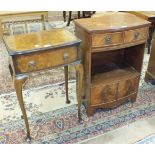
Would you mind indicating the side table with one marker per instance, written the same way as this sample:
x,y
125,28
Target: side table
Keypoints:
x,y
5,15
150,73
149,16
42,51
80,14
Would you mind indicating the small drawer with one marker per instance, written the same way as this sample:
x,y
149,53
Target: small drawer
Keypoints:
x,y
136,35
44,59
108,39
103,94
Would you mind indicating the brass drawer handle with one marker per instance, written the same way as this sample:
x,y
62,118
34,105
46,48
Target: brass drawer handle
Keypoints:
x,y
66,56
108,40
32,65
136,35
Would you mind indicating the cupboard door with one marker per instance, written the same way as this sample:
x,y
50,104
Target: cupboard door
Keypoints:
x,y
103,94
127,87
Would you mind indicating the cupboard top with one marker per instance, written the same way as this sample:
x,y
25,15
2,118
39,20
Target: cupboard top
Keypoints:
x,y
112,21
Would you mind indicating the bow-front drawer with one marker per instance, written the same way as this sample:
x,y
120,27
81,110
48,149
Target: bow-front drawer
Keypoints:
x,y
136,35
44,59
107,39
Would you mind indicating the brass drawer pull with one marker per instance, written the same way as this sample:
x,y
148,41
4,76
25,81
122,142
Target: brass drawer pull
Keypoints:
x,y
32,65
66,56
108,40
136,35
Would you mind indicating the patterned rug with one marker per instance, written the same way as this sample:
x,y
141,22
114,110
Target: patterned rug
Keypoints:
x,y
61,125
53,121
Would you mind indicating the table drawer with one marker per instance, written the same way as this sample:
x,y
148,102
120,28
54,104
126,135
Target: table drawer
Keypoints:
x,y
44,59
107,39
136,35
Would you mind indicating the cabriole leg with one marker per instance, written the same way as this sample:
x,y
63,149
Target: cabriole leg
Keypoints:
x,y
18,84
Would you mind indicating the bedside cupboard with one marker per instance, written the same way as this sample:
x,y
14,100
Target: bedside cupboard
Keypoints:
x,y
112,54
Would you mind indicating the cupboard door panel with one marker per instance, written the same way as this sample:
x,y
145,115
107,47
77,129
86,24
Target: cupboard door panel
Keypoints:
x,y
127,87
103,94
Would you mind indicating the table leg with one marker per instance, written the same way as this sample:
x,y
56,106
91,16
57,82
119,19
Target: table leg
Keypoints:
x,y
18,83
66,84
11,71
78,12
44,20
64,16
45,17
83,14
79,85
69,18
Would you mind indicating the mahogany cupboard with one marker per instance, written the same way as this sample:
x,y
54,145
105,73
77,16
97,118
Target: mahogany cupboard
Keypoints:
x,y
112,52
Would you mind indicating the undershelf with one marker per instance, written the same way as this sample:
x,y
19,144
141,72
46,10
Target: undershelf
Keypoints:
x,y
111,73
